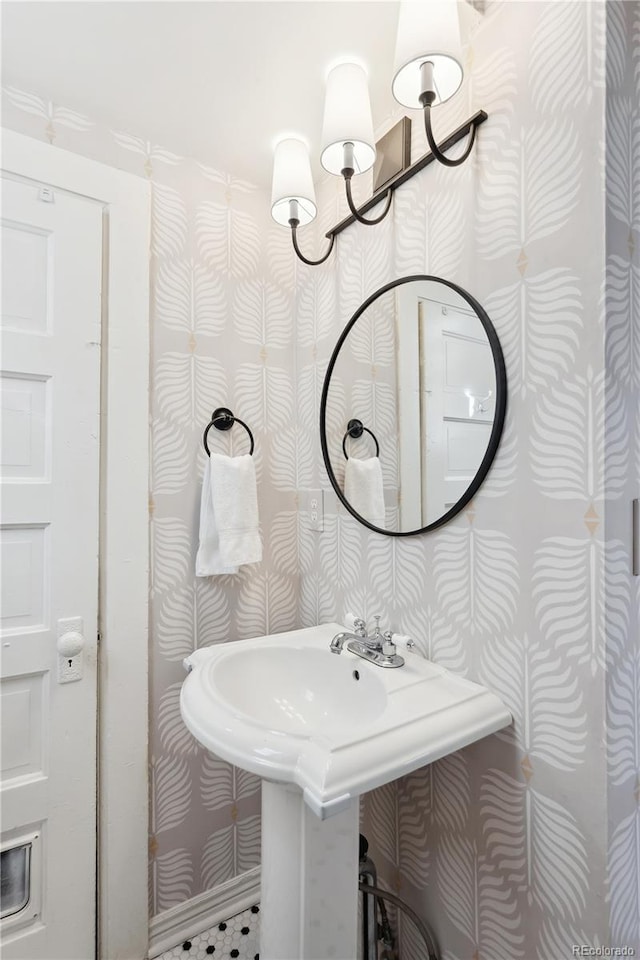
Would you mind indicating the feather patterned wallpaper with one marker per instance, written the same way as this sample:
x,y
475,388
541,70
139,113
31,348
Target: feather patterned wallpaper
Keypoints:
x,y
526,843
502,846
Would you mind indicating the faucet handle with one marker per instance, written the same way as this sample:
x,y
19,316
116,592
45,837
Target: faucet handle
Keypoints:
x,y
359,627
357,624
388,646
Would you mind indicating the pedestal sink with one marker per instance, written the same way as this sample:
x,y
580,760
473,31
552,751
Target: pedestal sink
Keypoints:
x,y
320,730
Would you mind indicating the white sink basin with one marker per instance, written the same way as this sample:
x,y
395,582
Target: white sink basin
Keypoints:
x,y
284,707
298,691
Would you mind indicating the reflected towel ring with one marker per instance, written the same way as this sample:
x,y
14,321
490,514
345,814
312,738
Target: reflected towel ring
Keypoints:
x,y
355,429
223,419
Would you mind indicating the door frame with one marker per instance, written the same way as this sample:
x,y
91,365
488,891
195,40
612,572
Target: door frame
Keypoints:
x,y
123,792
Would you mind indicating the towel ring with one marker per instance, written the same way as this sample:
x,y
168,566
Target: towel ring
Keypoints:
x,y
223,419
355,429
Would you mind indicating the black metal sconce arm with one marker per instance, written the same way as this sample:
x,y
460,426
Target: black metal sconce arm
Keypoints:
x,y
347,174
294,224
435,149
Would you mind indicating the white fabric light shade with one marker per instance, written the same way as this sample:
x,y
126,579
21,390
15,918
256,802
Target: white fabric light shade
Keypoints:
x,y
347,119
427,30
292,180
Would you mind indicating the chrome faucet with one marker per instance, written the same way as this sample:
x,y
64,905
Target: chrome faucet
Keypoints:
x,y
339,641
375,636
378,648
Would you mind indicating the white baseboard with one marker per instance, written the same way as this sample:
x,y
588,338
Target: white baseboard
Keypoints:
x,y
174,926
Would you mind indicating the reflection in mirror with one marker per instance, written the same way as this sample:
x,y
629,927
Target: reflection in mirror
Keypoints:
x,y
413,405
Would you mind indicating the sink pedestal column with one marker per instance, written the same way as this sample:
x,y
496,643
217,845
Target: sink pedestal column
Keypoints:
x,y
310,867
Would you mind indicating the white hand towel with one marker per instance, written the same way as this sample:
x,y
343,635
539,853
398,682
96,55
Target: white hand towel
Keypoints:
x,y
235,503
229,535
208,559
363,489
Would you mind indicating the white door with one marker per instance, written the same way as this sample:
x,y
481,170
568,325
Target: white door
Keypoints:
x,y
458,392
50,378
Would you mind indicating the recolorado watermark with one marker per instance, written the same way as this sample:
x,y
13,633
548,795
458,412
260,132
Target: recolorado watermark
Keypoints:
x,y
584,950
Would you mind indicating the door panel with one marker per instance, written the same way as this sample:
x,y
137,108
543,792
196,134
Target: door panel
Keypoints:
x,y
24,408
49,469
457,410
26,257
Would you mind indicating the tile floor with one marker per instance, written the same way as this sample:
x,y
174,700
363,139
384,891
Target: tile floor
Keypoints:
x,y
235,939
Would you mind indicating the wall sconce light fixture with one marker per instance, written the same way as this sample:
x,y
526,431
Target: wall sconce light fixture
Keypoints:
x,y
427,72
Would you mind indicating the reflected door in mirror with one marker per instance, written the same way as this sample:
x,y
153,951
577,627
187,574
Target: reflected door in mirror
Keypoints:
x,y
445,357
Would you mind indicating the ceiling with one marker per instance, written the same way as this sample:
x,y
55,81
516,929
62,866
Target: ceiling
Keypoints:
x,y
217,80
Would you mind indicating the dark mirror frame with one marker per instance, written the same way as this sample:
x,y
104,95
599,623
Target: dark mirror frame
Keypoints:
x,y
498,422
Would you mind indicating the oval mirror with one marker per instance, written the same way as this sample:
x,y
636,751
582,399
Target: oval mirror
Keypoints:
x,y
413,405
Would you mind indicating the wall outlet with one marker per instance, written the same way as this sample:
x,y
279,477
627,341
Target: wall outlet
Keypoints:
x,y
314,509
